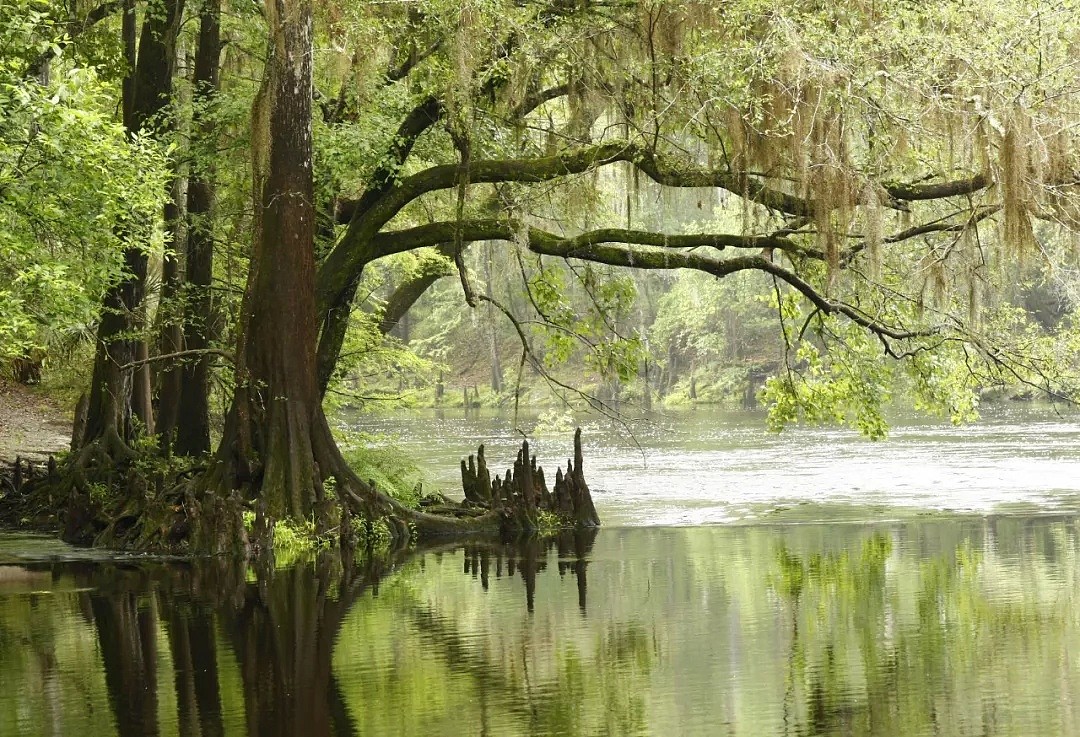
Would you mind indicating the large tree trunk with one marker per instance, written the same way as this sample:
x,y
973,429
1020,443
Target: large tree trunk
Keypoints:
x,y
193,417
277,411
277,446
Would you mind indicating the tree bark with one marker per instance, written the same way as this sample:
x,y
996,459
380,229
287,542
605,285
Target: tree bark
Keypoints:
x,y
193,419
169,316
146,93
277,412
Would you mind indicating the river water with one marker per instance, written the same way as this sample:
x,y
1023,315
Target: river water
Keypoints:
x,y
716,467
927,585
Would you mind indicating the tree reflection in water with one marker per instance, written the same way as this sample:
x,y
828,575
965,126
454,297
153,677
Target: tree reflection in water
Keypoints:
x,y
281,625
955,627
529,556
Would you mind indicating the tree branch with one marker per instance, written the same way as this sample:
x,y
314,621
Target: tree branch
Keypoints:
x,y
74,28
939,226
426,114
407,293
664,169
402,70
399,241
180,354
604,247
538,98
938,190
594,403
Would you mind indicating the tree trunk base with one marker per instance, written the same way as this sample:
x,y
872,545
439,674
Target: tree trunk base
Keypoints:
x,y
108,495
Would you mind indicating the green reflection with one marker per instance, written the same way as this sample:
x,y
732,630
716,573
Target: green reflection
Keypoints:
x,y
960,627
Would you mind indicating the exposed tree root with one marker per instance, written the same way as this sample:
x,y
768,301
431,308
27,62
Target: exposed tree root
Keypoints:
x,y
108,495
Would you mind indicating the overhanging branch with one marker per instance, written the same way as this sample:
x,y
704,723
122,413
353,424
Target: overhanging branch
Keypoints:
x,y
399,241
945,225
665,169
645,250
938,190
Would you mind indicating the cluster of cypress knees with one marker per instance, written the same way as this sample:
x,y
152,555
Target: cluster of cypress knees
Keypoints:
x,y
521,496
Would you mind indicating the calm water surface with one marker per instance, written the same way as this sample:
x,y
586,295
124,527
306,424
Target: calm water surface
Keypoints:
x,y
889,622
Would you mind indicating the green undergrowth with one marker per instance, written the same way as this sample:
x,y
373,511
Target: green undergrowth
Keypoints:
x,y
725,387
382,464
297,541
66,374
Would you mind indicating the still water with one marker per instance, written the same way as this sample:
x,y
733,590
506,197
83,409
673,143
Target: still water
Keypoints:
x,y
895,624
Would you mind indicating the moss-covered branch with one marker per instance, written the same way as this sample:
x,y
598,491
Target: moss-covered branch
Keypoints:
x,y
937,190
646,250
369,215
399,241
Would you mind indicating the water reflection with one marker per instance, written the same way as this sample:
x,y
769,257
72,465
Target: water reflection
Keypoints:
x,y
529,556
963,627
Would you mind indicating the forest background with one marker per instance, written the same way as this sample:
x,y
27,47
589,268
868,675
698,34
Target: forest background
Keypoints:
x,y
214,216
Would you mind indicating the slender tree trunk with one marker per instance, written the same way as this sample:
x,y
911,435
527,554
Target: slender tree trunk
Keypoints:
x,y
109,408
142,400
193,418
129,37
493,342
646,387
109,402
117,394
153,94
170,322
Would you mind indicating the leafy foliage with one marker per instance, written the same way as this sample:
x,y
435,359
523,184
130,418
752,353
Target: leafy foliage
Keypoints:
x,y
74,190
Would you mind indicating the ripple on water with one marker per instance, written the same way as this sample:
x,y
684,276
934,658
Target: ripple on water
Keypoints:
x,y
715,467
